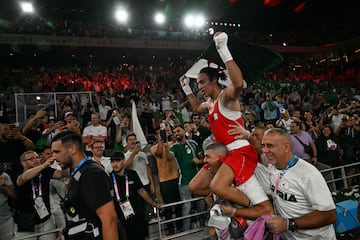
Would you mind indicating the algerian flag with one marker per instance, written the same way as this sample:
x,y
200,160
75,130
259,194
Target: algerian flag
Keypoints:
x,y
140,136
252,59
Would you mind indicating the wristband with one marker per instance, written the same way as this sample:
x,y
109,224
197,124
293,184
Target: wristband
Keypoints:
x,y
184,82
187,90
225,54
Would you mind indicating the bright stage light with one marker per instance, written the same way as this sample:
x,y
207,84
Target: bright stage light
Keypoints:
x,y
27,7
194,21
159,18
199,21
189,21
121,15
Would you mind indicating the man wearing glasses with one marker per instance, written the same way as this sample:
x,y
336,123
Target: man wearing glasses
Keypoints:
x,y
32,205
97,150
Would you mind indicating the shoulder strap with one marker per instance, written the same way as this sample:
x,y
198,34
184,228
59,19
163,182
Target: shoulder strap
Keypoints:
x,y
300,141
89,164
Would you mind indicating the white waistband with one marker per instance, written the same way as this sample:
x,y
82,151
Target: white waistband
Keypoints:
x,y
237,144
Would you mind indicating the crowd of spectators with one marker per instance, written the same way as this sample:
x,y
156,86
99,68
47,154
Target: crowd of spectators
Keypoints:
x,y
322,101
146,78
298,90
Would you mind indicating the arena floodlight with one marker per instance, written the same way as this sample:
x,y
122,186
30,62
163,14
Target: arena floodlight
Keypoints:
x,y
195,21
199,21
27,7
159,18
189,21
121,15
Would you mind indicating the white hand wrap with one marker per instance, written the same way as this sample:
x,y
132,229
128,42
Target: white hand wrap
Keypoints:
x,y
184,82
222,48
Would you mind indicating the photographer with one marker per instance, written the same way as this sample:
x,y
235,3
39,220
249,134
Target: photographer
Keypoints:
x,y
270,108
86,111
168,173
136,159
113,123
348,134
33,126
12,144
353,108
328,148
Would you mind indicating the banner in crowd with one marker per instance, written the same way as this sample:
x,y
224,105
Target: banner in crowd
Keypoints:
x,y
140,136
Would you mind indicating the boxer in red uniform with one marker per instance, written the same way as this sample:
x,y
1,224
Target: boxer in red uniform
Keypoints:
x,y
224,107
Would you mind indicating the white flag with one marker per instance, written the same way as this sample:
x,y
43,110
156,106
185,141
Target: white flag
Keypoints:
x,y
140,136
202,63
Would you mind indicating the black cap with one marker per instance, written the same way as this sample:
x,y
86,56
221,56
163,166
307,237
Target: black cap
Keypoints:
x,y
117,156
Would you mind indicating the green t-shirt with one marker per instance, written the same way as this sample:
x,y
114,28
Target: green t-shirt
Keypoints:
x,y
184,154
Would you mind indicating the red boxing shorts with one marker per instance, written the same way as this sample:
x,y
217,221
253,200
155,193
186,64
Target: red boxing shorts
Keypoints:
x,y
242,161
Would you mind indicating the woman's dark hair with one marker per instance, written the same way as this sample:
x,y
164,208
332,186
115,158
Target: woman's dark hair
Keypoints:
x,y
213,73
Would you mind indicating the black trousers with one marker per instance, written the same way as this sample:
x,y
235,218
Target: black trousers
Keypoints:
x,y
170,193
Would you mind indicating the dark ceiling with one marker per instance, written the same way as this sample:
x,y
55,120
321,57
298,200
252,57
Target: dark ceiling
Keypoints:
x,y
253,15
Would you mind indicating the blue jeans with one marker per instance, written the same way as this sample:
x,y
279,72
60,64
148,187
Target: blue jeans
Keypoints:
x,y
185,194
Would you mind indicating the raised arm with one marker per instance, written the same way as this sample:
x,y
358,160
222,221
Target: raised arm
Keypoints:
x,y
233,91
33,172
196,105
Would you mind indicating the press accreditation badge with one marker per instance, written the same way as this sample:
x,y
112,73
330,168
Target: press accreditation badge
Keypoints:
x,y
127,209
41,208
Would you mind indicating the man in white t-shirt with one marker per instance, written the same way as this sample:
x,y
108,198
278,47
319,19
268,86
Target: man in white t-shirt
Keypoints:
x,y
285,120
136,160
303,203
103,108
94,132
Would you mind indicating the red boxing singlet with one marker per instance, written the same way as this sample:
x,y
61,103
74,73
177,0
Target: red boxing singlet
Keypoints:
x,y
242,156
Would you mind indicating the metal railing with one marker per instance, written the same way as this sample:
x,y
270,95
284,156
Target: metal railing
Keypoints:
x,y
334,181
56,230
161,222
327,172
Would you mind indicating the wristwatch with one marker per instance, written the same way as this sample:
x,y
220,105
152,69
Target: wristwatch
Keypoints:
x,y
292,225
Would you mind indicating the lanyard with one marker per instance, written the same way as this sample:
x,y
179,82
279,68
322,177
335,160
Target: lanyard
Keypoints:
x,y
35,189
116,186
292,161
79,165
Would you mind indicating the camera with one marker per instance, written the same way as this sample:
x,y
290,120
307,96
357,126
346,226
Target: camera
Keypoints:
x,y
330,143
163,135
138,144
14,125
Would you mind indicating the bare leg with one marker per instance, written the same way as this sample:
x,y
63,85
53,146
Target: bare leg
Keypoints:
x,y
200,183
221,185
